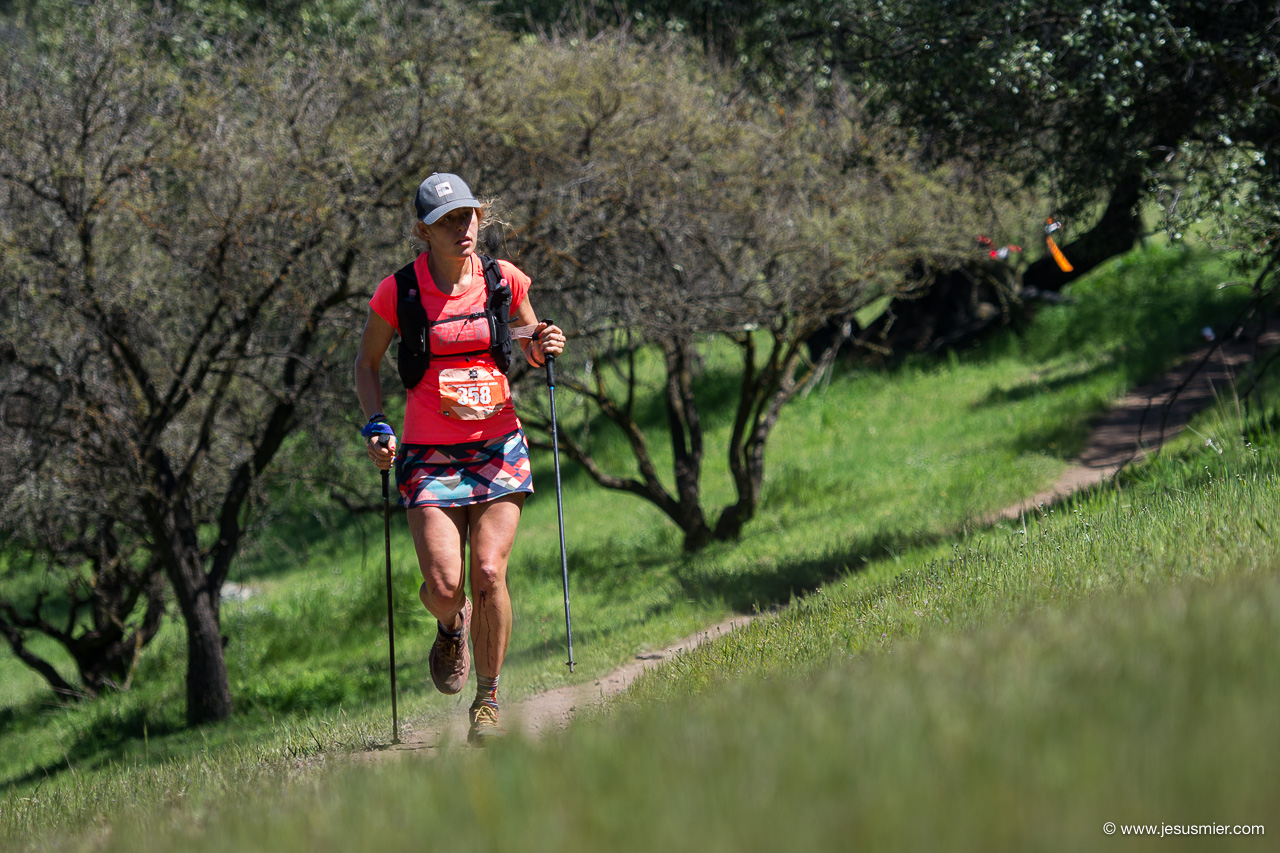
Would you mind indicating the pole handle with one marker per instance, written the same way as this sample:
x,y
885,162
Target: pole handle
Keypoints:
x,y
549,360
384,441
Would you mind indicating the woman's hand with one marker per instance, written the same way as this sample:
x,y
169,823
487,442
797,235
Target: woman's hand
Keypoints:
x,y
379,441
549,339
382,450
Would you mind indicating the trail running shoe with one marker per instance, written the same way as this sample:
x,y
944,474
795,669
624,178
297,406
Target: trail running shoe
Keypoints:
x,y
450,660
484,724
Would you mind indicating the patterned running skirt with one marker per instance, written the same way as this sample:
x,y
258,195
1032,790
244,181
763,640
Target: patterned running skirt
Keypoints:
x,y
462,474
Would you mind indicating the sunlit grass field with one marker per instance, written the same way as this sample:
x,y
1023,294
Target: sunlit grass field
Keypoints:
x,y
930,679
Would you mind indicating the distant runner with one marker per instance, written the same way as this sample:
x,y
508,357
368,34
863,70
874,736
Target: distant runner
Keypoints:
x,y
463,467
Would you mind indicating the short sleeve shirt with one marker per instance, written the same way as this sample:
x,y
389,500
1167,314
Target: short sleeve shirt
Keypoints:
x,y
429,417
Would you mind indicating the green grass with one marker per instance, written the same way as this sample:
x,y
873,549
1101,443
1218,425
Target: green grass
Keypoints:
x,y
1144,308
1113,663
872,484
1191,515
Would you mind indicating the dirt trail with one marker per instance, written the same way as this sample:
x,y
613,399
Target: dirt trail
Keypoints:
x,y
1136,426
553,709
1147,417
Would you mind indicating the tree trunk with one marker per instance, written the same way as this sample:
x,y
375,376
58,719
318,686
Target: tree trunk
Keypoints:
x,y
761,397
959,306
208,688
732,518
697,535
954,309
106,651
685,427
1116,232
747,464
173,531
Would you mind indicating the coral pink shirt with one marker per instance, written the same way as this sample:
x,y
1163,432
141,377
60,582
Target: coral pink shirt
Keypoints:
x,y
432,413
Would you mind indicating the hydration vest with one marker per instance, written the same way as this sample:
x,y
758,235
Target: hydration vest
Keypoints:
x,y
413,354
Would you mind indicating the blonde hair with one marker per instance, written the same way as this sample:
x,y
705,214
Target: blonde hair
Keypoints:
x,y
484,213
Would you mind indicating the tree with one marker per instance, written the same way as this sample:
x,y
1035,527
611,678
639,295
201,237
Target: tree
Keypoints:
x,y
1101,101
70,161
679,219
1102,107
186,228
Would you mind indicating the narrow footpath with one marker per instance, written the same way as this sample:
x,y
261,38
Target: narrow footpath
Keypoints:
x,y
1141,422
1138,425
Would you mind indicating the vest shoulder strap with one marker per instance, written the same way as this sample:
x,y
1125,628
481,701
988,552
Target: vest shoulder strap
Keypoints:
x,y
498,307
413,353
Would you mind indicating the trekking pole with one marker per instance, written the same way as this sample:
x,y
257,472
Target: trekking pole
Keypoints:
x,y
555,451
391,625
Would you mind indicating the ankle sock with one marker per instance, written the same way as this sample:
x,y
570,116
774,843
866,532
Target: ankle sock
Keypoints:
x,y
487,690
449,632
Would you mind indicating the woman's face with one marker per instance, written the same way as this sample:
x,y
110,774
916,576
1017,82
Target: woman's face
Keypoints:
x,y
454,234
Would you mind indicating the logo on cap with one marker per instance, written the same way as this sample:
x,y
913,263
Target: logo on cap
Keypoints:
x,y
444,189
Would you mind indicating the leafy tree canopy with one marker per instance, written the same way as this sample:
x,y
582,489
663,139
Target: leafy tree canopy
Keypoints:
x,y
1091,100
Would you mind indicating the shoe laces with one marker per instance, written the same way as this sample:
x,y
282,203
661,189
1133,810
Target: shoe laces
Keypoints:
x,y
485,716
451,646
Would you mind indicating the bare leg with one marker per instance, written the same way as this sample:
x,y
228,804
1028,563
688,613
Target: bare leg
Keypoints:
x,y
493,532
440,539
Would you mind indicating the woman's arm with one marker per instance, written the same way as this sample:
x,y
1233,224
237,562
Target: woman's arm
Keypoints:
x,y
374,341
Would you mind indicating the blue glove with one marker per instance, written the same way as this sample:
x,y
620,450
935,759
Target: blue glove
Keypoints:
x,y
377,425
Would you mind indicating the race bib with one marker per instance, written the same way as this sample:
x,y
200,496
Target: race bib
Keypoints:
x,y
471,393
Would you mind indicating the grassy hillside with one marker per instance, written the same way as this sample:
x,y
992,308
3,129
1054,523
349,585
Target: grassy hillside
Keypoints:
x,y
873,483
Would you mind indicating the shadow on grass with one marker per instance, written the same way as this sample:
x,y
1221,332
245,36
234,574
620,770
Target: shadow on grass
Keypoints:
x,y
289,535
1037,387
102,744
553,645
606,567
1063,439
771,586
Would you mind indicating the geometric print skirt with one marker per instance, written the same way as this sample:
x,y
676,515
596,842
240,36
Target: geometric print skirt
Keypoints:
x,y
463,474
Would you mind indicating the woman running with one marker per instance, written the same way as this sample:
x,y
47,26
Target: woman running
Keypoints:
x,y
463,466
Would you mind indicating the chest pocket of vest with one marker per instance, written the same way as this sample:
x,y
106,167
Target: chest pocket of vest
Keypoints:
x,y
465,334
413,353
